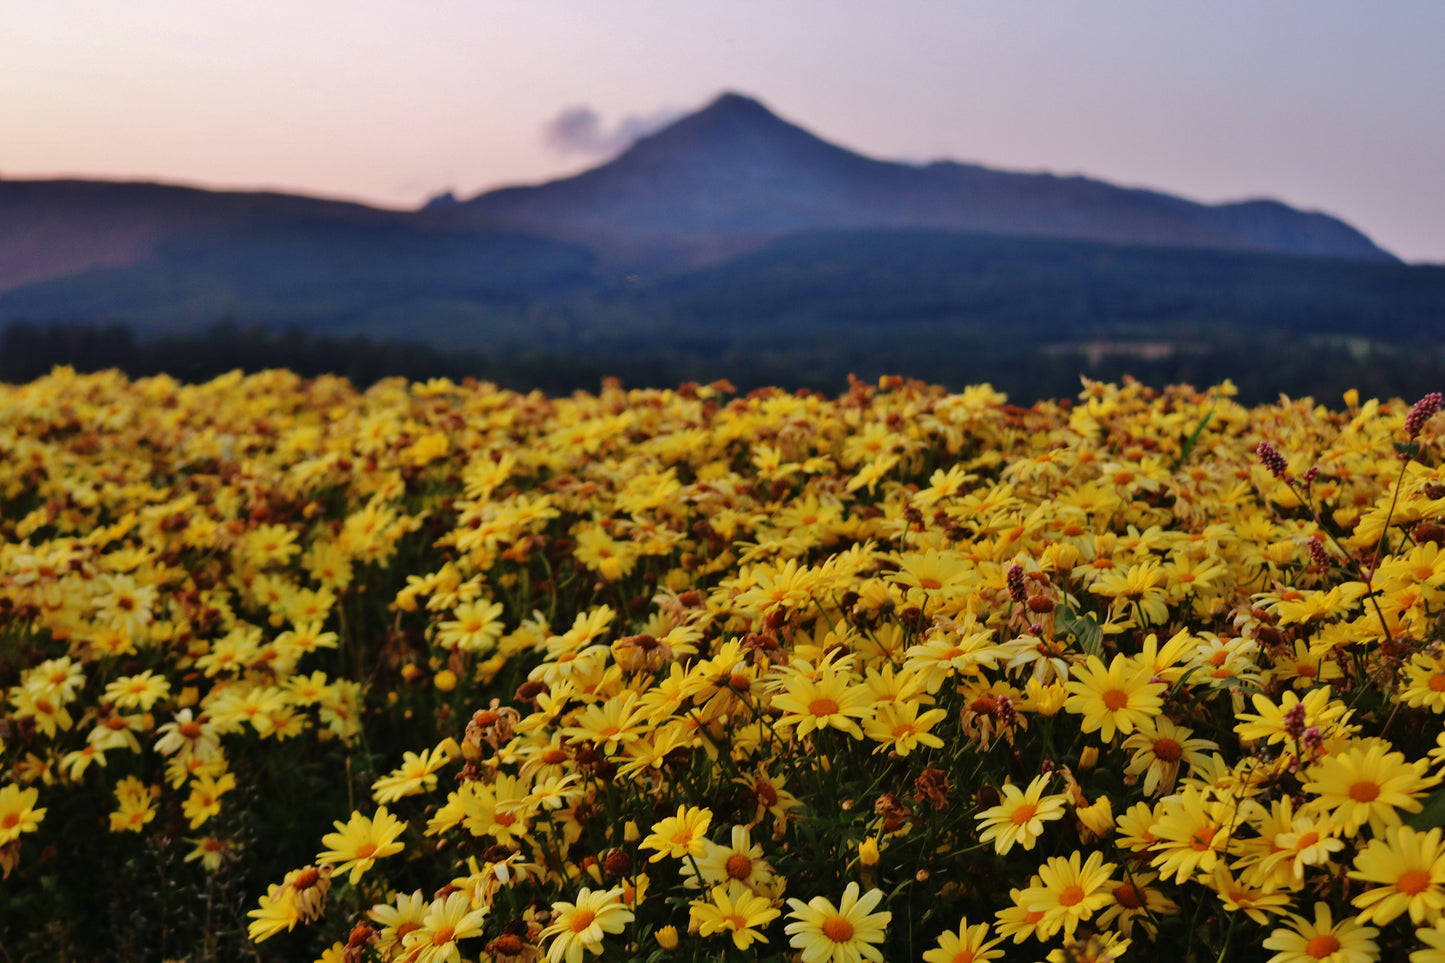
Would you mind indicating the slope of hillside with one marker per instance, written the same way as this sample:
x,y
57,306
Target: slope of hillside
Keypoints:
x,y
735,169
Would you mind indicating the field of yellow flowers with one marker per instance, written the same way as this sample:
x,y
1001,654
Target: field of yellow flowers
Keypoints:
x,y
437,672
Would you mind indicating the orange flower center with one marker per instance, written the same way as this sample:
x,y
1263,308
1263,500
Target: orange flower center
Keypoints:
x,y
191,730
1071,896
1322,946
1023,814
1167,750
1128,897
928,582
1415,881
365,850
553,757
1116,699
443,936
951,653
504,819
837,929
1364,791
822,706
1201,839
1307,840
1437,682
581,920
10,821
739,866
962,956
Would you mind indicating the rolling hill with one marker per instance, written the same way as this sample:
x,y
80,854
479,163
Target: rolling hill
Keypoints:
x,y
734,243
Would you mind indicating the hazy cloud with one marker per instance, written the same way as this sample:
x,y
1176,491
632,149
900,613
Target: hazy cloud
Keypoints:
x,y
580,130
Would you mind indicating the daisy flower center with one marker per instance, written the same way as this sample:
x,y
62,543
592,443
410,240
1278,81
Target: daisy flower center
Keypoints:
x,y
1437,682
1071,896
963,956
837,929
443,936
1167,750
1116,699
581,920
1128,897
739,866
365,850
1364,791
1322,946
10,821
1415,881
1023,814
822,706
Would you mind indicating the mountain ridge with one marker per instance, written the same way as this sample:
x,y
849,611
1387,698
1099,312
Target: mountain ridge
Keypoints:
x,y
734,169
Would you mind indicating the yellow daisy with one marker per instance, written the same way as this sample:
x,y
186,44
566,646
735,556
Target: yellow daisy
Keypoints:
x,y
1070,891
680,836
1120,697
827,701
1323,941
18,813
582,925
1367,785
1020,816
1411,867
360,842
969,945
845,933
446,921
734,910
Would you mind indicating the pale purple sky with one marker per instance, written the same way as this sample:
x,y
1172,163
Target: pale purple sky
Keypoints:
x,y
1328,105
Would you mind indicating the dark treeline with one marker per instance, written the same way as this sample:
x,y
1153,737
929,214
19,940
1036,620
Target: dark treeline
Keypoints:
x,y
1263,365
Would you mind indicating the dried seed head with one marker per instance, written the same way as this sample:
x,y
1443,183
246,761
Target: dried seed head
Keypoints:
x,y
1016,582
1270,457
1421,412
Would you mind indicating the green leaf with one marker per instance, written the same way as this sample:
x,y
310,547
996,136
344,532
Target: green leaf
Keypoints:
x,y
1431,816
1407,449
1193,438
1179,682
1086,632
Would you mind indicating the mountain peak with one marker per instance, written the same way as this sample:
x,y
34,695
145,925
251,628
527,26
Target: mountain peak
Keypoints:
x,y
735,172
732,102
